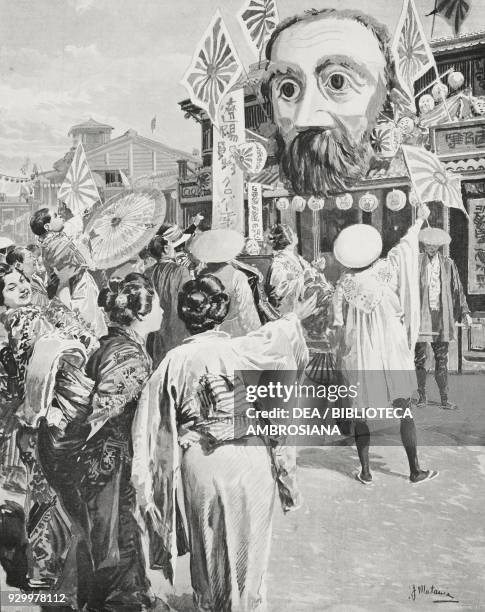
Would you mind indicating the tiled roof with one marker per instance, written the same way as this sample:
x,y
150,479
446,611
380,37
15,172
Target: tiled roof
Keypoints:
x,y
90,124
449,43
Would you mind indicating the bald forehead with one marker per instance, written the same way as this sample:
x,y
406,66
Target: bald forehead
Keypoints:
x,y
308,41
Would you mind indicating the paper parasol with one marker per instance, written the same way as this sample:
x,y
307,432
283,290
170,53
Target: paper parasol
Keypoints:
x,y
124,225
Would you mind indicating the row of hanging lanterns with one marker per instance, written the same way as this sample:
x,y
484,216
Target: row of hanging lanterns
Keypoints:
x,y
395,201
298,203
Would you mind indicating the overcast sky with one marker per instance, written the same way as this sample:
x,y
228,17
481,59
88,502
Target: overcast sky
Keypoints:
x,y
120,62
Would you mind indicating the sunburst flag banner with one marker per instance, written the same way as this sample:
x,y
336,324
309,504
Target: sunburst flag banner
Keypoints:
x,y
258,19
431,181
214,69
411,48
78,190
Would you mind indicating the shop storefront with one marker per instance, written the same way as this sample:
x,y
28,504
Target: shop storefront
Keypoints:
x,y
461,147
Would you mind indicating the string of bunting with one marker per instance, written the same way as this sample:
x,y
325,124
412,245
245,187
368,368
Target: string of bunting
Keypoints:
x,y
14,179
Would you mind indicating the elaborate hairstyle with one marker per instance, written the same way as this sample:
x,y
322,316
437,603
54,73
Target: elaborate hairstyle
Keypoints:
x,y
5,269
203,303
157,246
16,255
127,299
280,236
379,30
38,221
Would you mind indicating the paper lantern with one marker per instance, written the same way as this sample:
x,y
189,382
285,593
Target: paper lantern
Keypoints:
x,y
316,203
368,202
173,195
426,103
406,125
344,202
282,203
298,203
455,80
413,198
396,200
252,247
439,92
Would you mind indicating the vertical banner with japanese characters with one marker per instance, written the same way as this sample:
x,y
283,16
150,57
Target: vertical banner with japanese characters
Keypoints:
x,y
255,211
476,247
227,175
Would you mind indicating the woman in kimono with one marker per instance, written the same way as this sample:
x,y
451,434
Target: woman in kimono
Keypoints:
x,y
228,477
290,279
119,369
12,466
288,273
376,302
52,543
168,277
215,250
29,261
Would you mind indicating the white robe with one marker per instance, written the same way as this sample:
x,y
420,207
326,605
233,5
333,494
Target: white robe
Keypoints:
x,y
231,487
382,324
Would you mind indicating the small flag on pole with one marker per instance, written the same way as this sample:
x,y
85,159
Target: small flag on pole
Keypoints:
x,y
258,19
124,179
431,181
453,11
153,123
78,191
214,69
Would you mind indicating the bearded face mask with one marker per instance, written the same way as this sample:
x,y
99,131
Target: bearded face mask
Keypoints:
x,y
319,160
328,79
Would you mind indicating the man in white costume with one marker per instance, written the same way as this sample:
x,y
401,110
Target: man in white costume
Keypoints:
x,y
377,303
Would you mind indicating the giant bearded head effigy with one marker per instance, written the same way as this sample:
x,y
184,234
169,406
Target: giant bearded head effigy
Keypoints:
x,y
329,77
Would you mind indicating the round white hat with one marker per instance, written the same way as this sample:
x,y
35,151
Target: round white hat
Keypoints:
x,y
217,245
357,246
5,242
434,236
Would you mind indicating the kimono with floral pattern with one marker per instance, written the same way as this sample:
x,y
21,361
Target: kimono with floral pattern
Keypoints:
x,y
119,368
227,479
286,279
51,541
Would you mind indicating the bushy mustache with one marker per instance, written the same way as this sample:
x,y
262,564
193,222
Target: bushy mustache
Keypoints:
x,y
319,161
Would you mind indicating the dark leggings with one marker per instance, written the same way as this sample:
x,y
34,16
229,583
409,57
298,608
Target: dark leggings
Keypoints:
x,y
408,439
440,350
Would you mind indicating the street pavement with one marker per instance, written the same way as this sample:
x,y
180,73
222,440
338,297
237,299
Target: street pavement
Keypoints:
x,y
392,546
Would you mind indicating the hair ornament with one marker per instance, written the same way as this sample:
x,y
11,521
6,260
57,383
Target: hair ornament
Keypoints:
x,y
121,301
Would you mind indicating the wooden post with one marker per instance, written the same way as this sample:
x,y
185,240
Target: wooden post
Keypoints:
x,y
316,233
130,162
460,350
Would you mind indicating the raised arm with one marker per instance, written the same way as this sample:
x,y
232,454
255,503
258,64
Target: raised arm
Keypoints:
x,y
248,315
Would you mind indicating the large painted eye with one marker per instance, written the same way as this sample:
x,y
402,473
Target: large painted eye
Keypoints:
x,y
289,90
338,81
